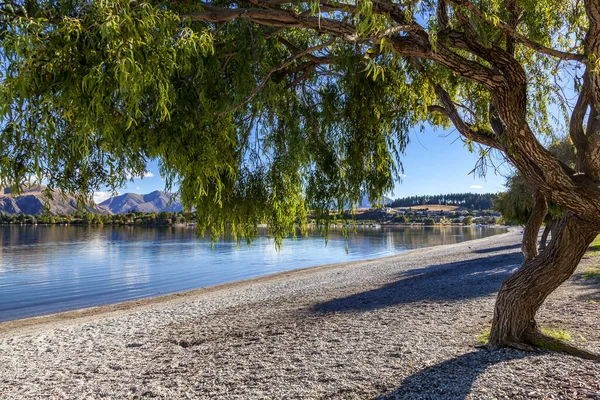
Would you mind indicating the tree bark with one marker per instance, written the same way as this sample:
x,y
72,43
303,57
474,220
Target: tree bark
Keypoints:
x,y
540,209
545,234
524,292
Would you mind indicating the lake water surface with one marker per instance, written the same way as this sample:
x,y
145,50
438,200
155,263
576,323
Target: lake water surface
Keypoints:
x,y
47,269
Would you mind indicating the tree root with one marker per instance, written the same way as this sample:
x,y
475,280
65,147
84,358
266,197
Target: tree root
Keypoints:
x,y
511,344
539,340
523,346
536,341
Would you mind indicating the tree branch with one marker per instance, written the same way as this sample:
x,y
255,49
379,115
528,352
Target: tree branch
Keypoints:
x,y
592,44
449,110
312,57
272,71
576,128
512,32
273,17
416,43
495,55
442,13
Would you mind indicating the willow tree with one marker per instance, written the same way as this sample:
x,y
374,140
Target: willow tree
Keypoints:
x,y
263,109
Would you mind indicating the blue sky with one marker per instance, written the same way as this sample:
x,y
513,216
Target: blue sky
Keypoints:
x,y
436,162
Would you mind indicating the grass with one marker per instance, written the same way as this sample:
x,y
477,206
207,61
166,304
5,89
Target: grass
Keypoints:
x,y
559,334
484,337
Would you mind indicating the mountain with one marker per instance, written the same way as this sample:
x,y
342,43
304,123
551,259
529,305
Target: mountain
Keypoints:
x,y
31,201
365,203
156,201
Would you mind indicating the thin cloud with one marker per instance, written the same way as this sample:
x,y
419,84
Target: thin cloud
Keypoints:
x,y
99,197
476,187
146,174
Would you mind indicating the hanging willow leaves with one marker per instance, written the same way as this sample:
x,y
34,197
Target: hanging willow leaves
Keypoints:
x,y
259,111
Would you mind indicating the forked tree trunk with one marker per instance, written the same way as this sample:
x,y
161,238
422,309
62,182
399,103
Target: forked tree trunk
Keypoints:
x,y
545,234
529,245
523,293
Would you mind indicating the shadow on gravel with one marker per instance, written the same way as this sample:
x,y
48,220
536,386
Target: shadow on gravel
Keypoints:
x,y
499,248
451,379
443,282
590,279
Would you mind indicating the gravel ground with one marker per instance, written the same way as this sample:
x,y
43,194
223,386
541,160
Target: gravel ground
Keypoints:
x,y
403,327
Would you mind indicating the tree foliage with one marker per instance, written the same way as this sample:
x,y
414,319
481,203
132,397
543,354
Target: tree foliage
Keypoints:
x,y
262,109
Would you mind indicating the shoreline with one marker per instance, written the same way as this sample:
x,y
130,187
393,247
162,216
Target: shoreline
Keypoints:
x,y
400,327
6,327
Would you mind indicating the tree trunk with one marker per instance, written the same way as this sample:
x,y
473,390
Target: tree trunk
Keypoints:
x,y
540,209
545,234
524,292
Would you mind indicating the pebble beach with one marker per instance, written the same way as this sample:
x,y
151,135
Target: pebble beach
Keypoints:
x,y
402,327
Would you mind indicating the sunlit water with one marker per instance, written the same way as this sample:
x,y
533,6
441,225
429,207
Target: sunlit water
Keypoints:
x,y
47,269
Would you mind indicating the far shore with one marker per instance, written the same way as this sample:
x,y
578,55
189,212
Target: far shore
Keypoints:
x,y
404,326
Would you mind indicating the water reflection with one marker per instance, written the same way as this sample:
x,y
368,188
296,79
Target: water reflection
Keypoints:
x,y
46,269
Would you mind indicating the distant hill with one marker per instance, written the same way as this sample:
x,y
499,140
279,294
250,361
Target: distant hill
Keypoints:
x,y
156,201
475,201
31,201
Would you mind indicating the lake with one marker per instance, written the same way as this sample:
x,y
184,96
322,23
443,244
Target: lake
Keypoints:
x,y
48,269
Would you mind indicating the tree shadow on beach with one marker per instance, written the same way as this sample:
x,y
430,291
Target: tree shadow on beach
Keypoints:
x,y
443,282
498,248
590,280
453,378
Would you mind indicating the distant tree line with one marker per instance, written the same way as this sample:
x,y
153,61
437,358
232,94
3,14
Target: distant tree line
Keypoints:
x,y
473,201
163,218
